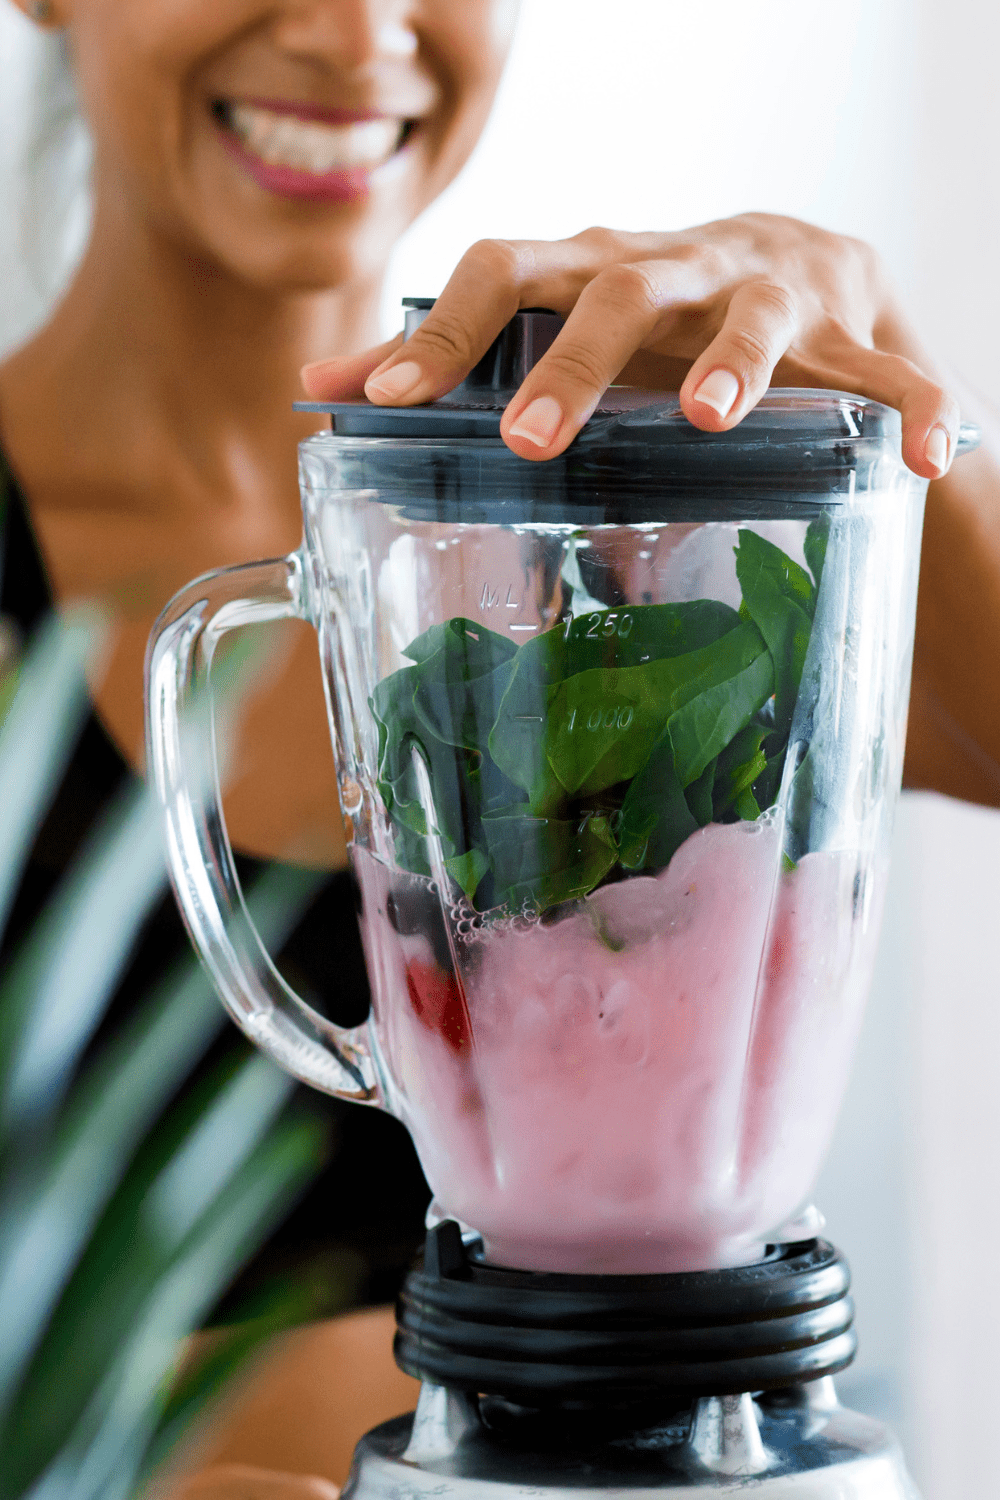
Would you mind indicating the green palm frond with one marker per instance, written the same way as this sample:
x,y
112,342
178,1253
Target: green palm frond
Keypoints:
x,y
44,700
124,1210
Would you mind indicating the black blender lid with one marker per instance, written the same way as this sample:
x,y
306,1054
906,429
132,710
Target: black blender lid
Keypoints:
x,y
637,458
474,408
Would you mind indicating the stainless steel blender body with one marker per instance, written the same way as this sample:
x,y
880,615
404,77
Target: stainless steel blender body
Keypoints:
x,y
803,1446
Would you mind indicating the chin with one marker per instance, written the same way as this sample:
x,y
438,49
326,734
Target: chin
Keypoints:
x,y
303,267
283,246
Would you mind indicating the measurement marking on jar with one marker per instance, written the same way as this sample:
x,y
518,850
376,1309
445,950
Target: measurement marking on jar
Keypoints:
x,y
603,624
490,598
524,627
528,718
619,717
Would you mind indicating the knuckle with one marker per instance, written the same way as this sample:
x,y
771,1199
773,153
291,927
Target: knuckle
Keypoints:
x,y
776,300
607,247
443,335
497,259
629,286
687,251
762,222
575,365
597,238
751,348
708,259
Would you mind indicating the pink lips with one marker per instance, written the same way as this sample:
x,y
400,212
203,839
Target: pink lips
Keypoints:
x,y
343,185
322,114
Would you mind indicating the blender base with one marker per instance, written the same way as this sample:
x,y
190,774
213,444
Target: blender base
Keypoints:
x,y
799,1444
548,1385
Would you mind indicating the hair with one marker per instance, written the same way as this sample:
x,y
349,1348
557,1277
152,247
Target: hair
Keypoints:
x,y
45,156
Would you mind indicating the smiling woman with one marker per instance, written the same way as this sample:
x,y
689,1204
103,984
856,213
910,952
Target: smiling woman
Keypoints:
x,y
323,154
254,163
293,143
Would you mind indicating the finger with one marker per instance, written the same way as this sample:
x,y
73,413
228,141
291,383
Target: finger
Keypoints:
x,y
930,415
493,280
482,295
730,376
340,379
615,314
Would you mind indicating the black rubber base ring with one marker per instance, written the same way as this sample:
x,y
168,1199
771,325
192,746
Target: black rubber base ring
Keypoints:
x,y
536,1338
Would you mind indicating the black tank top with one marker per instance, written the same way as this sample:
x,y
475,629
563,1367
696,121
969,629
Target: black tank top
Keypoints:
x,y
354,1234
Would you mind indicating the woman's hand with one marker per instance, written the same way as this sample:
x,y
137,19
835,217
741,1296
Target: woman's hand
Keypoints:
x,y
719,312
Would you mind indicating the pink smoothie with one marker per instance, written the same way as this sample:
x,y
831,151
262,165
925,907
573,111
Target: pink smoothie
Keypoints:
x,y
647,1084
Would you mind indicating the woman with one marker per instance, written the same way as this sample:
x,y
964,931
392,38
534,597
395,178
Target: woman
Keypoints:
x,y
254,164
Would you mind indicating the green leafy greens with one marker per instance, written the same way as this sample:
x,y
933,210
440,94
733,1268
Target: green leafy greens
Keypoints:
x,y
597,747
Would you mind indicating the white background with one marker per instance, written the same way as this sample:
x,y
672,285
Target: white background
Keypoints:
x,y
879,118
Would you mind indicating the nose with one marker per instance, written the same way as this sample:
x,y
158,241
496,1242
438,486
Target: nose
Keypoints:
x,y
357,34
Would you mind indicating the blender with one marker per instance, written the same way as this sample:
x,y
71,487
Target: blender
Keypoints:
x,y
619,738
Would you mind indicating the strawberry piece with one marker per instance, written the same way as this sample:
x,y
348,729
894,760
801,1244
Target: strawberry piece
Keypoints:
x,y
439,1003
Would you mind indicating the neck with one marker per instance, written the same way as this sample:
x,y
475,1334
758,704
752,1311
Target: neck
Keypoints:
x,y
151,339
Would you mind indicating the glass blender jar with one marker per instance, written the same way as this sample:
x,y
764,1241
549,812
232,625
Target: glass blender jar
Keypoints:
x,y
619,739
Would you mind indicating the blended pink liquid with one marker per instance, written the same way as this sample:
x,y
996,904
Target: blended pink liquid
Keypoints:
x,y
647,1084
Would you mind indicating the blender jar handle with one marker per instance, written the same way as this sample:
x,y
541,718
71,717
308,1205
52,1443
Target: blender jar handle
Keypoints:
x,y
184,766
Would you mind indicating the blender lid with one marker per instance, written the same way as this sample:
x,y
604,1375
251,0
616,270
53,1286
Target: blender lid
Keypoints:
x,y
474,408
796,445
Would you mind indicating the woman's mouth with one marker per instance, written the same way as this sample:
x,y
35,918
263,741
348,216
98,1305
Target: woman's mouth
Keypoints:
x,y
300,151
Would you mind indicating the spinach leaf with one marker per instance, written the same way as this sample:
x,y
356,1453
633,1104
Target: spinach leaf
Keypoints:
x,y
542,861
605,741
533,714
757,553
463,647
739,766
703,727
814,546
747,806
602,724
698,795
411,850
444,709
517,741
630,636
459,711
461,675
780,598
655,816
467,871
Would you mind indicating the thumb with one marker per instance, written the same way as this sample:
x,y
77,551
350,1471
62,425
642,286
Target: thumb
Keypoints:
x,y
340,379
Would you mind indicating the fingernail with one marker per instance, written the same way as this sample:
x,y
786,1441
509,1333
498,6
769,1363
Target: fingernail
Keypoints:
x,y
936,448
398,380
539,422
718,390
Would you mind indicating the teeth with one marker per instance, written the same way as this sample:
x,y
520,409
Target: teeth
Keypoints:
x,y
306,145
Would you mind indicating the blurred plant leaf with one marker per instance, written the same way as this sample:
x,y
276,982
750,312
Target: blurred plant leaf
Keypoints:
x,y
130,1393
37,735
123,1215
58,986
52,1196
